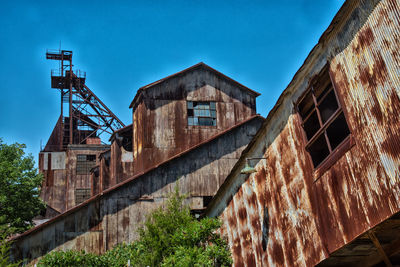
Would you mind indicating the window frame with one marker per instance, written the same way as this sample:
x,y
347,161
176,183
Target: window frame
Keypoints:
x,y
346,143
84,165
208,117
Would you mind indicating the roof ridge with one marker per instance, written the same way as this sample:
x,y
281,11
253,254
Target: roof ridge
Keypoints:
x,y
200,64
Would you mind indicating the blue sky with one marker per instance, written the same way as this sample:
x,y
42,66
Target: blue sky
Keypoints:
x,y
124,45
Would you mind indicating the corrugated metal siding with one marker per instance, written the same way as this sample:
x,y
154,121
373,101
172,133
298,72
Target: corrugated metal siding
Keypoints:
x,y
160,119
293,237
310,217
367,78
115,216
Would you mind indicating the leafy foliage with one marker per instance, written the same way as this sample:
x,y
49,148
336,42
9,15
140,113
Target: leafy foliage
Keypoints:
x,y
71,258
19,188
5,250
172,237
119,255
169,237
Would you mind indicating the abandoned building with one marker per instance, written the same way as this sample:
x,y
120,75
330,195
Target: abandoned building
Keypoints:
x,y
315,183
188,130
74,145
320,182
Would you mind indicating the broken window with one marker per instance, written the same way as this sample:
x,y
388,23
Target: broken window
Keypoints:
x,y
201,113
84,163
81,194
324,124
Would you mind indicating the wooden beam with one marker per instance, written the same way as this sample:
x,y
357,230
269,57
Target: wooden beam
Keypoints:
x,y
381,252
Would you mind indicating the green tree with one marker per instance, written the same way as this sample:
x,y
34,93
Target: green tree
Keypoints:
x,y
19,188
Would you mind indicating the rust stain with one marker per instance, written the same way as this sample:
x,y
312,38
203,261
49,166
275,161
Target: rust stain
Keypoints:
x,y
366,38
242,214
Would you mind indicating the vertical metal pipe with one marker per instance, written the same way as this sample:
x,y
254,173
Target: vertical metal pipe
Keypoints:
x,y
62,110
70,101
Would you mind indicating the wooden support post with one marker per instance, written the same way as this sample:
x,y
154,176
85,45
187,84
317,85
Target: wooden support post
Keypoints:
x,y
381,252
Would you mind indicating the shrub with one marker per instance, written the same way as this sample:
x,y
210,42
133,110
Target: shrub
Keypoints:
x,y
71,258
170,236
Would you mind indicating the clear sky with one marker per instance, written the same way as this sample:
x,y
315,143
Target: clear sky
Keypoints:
x,y
123,45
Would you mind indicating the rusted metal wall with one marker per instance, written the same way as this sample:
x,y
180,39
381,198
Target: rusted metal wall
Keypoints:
x,y
287,214
60,178
95,180
117,163
160,128
55,140
74,180
121,164
54,182
114,216
366,74
104,174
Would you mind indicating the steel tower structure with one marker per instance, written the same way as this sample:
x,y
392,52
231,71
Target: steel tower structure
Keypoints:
x,y
87,116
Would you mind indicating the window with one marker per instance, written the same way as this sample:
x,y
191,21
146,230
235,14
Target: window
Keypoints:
x,y
201,113
324,124
84,163
81,194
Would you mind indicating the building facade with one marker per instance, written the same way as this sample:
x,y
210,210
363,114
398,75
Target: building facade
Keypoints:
x,y
326,185
191,142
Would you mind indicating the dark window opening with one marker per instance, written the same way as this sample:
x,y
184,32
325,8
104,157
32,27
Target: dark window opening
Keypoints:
x,y
337,131
206,200
328,106
84,163
311,125
319,150
201,113
324,124
81,194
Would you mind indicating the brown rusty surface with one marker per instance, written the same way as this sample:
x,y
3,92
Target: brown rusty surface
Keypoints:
x,y
313,214
160,127
121,164
75,180
104,173
366,76
53,184
55,143
114,215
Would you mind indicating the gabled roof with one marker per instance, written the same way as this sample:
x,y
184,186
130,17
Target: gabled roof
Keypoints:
x,y
198,65
117,186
